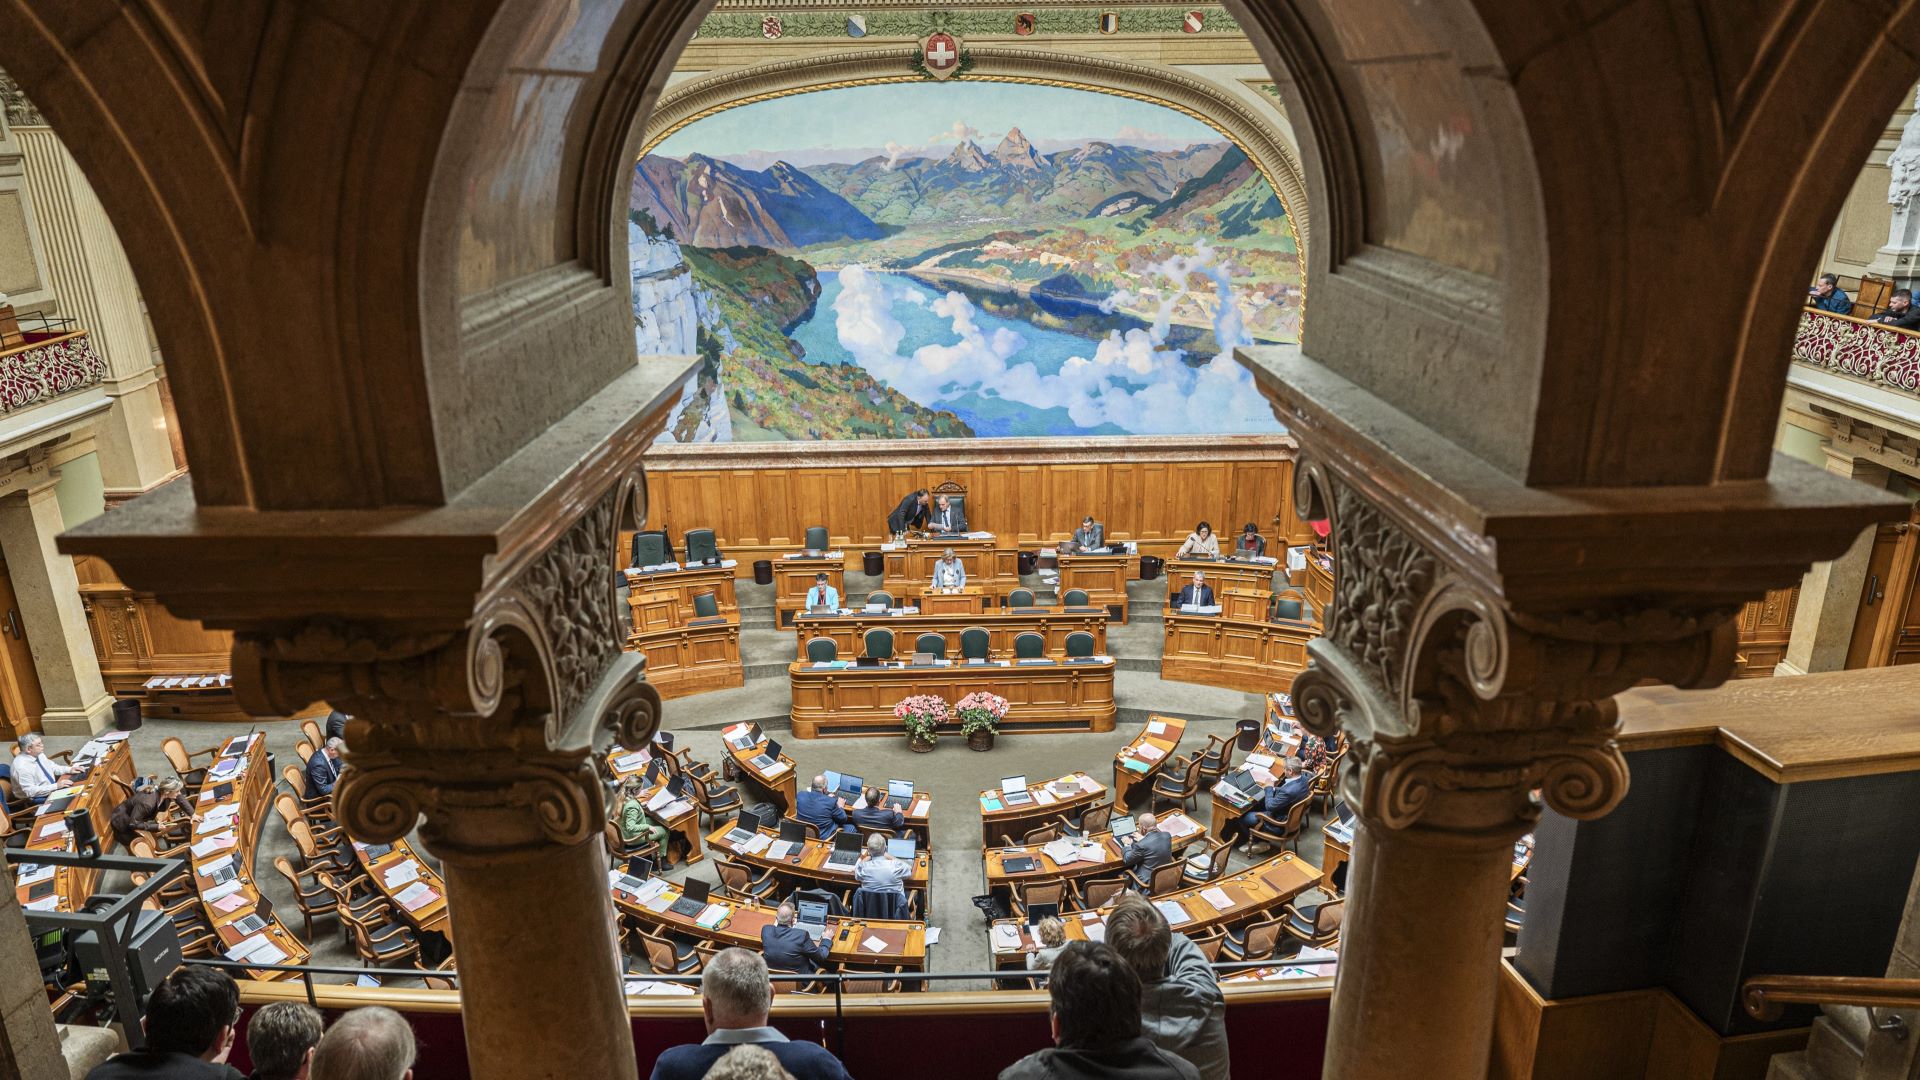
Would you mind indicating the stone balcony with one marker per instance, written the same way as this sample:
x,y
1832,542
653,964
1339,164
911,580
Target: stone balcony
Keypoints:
x,y
50,386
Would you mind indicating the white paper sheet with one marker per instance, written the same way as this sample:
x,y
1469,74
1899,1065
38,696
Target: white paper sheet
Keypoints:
x,y
399,875
1218,898
874,944
1156,727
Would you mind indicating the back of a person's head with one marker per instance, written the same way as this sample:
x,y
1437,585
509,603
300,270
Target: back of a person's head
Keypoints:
x,y
1141,937
1095,995
279,1036
187,1010
366,1044
735,986
748,1062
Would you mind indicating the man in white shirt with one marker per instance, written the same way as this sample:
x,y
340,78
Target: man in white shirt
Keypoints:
x,y
35,775
949,572
822,594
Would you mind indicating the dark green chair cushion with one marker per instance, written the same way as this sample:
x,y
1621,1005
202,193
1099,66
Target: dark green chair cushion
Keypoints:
x,y
822,649
879,643
931,643
1029,646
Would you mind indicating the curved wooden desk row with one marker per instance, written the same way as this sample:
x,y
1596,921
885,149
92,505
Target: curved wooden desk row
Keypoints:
x,y
1252,893
677,815
692,659
1252,655
779,783
238,789
1063,796
403,877
1136,764
1060,696
1103,576
901,944
648,588
1221,574
1104,849
100,790
849,632
806,866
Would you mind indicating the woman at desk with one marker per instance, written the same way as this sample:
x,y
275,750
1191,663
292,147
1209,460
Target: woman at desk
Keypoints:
x,y
635,826
140,811
1200,544
1251,544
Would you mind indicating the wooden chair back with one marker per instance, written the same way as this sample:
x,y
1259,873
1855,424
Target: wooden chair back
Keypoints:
x,y
176,755
311,729
1045,834
1166,878
1099,894
1098,819
1043,892
1261,939
1210,943
296,780
1872,296
304,749
660,955
288,808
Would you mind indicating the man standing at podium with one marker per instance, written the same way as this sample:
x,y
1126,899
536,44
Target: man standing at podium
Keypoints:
x,y
910,514
1197,594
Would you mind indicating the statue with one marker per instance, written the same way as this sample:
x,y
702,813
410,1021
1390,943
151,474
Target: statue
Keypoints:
x,y
1904,162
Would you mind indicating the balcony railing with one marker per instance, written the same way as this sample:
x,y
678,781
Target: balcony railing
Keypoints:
x,y
1856,347
39,366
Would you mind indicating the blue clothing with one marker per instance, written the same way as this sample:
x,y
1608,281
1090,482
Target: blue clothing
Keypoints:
x,y
792,949
822,810
878,819
831,595
949,575
805,1061
1835,301
322,773
1280,799
1204,598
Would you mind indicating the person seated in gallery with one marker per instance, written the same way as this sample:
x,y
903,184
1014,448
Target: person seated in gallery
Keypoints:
x,y
1827,295
946,517
1196,593
910,514
1090,536
1200,544
790,948
1900,312
1295,784
877,816
1094,1001
949,573
822,595
1151,849
1251,544
820,808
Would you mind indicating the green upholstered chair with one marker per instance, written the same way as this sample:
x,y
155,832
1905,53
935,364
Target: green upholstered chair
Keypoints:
x,y
931,643
649,548
1079,643
1029,646
701,546
1074,598
1288,605
1020,598
706,605
817,538
880,596
879,643
822,649
975,643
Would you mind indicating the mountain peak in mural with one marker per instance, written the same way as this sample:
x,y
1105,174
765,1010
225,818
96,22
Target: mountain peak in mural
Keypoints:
x,y
711,203
967,157
1015,152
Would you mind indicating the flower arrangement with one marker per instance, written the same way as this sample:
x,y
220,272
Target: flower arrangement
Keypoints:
x,y
981,711
923,714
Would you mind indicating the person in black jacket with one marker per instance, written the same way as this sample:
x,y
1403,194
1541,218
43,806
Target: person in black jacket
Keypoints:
x,y
189,1024
877,816
1900,312
735,997
140,811
788,947
1150,849
1094,1009
910,514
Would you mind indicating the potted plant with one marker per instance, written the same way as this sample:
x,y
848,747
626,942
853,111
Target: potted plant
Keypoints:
x,y
922,715
980,715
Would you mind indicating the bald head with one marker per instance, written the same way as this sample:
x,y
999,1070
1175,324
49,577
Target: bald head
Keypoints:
x,y
366,1044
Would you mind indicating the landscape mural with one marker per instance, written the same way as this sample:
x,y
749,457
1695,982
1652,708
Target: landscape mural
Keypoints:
x,y
962,259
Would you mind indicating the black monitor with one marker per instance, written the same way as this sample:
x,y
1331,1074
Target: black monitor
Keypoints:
x,y
694,889
153,951
773,750
1036,912
846,840
677,786
640,867
793,831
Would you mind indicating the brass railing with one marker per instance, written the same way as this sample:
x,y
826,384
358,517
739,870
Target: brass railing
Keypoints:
x,y
1765,996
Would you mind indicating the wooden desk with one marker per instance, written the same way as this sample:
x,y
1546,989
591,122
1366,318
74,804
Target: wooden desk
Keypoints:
x,y
683,818
1226,810
1221,574
986,562
427,915
1104,577
1334,854
695,658
1178,825
1243,605
970,600
905,942
832,701
1253,893
98,792
683,585
793,576
849,631
249,790
1319,581
807,868
776,785
1151,751
1063,796
1251,655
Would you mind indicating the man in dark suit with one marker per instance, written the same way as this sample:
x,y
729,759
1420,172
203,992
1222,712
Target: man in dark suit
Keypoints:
x,y
190,1028
337,724
323,768
1294,786
1090,535
1198,593
788,947
947,518
820,807
877,816
1150,850
910,514
735,996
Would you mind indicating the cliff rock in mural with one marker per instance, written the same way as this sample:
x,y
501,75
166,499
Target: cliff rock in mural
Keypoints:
x,y
1052,262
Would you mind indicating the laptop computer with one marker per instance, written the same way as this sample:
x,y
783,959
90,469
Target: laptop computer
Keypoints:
x,y
375,851
901,847
767,758
222,873
1123,827
846,848
867,661
793,830
1036,912
677,787
693,899
1020,864
923,659
811,916
1013,791
850,785
745,828
640,867
900,794
251,924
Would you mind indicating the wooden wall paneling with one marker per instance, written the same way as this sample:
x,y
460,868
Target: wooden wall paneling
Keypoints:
x,y
1151,513
1026,509
1764,627
1068,487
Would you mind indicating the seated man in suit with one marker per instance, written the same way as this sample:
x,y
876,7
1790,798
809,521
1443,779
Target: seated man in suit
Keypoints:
x,y
1251,544
949,572
788,947
735,997
323,768
910,514
820,807
822,594
1150,850
878,871
1294,786
1197,594
1090,535
947,518
876,816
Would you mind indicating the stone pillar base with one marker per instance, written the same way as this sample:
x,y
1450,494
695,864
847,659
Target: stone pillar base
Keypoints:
x,y
89,720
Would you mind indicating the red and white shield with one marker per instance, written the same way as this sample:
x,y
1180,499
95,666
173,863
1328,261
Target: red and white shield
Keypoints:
x,y
941,53
1192,23
771,27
